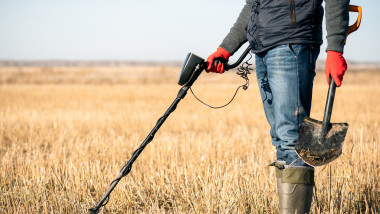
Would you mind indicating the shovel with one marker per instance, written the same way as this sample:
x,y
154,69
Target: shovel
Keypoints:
x,y
321,142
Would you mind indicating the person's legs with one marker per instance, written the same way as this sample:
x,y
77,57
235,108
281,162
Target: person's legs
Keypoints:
x,y
267,100
290,72
285,76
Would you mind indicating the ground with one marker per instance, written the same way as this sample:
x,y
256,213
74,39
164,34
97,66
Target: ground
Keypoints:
x,y
66,132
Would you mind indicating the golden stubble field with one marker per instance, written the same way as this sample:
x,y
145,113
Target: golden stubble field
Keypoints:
x,y
66,132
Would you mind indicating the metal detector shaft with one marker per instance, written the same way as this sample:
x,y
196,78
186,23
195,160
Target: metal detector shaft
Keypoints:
x,y
181,94
127,167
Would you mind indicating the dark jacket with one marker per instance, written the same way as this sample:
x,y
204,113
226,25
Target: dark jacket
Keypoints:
x,y
269,23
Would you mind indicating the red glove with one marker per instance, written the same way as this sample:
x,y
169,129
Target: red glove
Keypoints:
x,y
217,68
335,66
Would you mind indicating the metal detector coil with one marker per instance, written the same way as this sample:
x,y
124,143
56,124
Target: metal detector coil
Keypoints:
x,y
188,68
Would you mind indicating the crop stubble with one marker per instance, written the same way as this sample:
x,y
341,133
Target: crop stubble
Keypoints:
x,y
62,144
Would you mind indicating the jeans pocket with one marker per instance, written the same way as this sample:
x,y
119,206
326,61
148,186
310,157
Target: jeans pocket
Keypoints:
x,y
291,49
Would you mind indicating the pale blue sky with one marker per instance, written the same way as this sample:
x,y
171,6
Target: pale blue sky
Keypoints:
x,y
139,30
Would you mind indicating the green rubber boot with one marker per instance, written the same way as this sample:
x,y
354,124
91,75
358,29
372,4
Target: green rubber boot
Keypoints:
x,y
295,190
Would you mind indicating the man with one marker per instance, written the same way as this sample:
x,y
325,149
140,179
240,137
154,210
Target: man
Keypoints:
x,y
286,36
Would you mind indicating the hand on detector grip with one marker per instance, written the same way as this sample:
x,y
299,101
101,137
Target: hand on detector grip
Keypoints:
x,y
216,61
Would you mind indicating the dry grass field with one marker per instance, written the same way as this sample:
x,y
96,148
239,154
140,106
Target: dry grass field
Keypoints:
x,y
66,132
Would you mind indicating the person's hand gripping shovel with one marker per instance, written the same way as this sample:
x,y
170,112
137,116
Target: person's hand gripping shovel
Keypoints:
x,y
321,142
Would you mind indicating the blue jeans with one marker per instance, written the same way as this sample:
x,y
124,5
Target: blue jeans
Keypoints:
x,y
285,76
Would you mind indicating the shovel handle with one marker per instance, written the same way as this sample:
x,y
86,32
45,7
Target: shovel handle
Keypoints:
x,y
356,25
332,86
328,110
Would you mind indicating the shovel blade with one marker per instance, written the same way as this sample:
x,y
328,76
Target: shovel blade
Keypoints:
x,y
312,150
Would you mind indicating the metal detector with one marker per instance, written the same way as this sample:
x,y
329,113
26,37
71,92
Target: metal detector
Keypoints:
x,y
191,69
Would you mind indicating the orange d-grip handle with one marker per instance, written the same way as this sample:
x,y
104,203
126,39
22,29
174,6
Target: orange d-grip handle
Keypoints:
x,y
354,27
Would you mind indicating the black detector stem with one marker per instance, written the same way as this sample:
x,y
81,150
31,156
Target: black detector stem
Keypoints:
x,y
127,167
181,94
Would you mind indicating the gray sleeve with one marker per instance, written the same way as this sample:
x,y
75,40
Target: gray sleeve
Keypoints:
x,y
337,18
238,33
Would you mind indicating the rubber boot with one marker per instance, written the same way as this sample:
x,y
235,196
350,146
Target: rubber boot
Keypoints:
x,y
295,190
